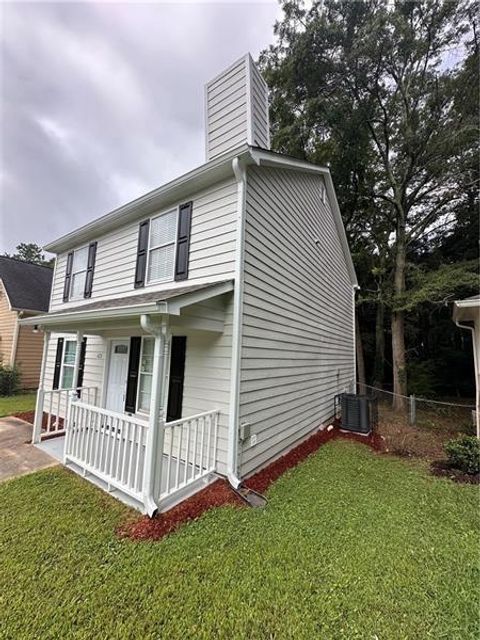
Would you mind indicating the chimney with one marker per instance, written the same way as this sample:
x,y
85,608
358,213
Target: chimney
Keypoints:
x,y
236,109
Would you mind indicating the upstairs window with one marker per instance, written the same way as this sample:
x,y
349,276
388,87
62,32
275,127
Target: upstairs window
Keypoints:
x,y
161,247
79,273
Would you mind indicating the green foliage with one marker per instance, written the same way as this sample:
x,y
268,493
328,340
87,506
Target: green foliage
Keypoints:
x,y
372,89
9,380
30,252
421,378
446,283
351,545
464,453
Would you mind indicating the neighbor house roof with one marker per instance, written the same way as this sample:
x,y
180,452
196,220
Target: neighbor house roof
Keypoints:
x,y
26,284
202,177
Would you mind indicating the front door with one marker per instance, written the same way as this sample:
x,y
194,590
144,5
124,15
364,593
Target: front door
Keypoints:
x,y
117,376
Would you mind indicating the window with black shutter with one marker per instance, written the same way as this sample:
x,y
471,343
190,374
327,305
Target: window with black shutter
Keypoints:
x,y
132,378
142,254
68,277
183,241
58,364
92,254
81,364
177,377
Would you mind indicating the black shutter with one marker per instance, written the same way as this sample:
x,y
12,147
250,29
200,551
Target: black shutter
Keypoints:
x,y
183,241
68,275
142,250
132,379
81,365
58,364
92,254
177,377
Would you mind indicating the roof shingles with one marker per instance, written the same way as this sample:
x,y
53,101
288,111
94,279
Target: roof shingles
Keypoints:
x,y
27,284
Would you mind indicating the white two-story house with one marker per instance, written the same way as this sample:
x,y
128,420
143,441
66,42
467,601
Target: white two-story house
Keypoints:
x,y
205,327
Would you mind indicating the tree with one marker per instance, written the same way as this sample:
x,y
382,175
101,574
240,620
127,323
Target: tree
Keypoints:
x,y
371,84
30,252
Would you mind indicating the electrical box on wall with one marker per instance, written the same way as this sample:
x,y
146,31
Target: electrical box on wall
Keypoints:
x,y
244,431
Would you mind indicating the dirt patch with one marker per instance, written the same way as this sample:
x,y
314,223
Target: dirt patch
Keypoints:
x,y
441,469
219,493
426,440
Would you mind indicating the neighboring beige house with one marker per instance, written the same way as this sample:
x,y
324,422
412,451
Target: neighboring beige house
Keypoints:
x,y
466,314
206,327
24,292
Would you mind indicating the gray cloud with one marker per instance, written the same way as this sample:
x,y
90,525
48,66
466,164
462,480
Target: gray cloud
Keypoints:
x,y
102,102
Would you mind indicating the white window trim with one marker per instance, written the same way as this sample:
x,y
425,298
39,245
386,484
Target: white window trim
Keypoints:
x,y
70,293
137,408
160,246
64,351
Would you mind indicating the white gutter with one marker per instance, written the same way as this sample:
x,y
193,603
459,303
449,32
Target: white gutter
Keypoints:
x,y
232,455
476,364
155,433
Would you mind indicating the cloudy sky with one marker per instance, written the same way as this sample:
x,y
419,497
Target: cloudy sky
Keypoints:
x,y
103,101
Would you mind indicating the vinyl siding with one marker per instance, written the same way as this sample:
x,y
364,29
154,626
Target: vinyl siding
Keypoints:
x,y
259,93
207,370
297,330
226,106
8,321
28,356
212,249
236,104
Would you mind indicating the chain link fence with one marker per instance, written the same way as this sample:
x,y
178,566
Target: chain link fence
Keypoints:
x,y
420,426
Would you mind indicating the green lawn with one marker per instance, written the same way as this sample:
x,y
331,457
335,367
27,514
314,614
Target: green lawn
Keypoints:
x,y
352,545
15,404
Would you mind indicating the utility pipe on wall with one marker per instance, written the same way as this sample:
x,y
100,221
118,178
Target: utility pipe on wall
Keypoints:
x,y
240,173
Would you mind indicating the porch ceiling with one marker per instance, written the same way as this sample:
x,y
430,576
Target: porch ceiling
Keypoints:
x,y
103,315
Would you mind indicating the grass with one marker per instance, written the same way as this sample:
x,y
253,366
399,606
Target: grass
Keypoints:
x,y
352,545
15,404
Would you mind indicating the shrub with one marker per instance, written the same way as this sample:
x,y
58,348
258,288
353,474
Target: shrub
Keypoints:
x,y
464,454
9,380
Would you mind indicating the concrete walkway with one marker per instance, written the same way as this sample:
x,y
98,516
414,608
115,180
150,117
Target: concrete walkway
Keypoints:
x,y
17,457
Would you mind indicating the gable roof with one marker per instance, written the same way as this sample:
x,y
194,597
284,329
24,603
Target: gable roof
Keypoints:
x,y
202,177
27,285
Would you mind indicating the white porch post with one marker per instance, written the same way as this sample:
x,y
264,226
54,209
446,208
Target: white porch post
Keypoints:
x,y
37,425
156,421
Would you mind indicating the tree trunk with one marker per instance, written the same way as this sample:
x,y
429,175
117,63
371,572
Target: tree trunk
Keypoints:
x,y
379,366
398,324
360,359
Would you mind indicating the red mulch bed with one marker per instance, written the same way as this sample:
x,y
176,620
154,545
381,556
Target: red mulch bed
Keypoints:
x,y
28,416
219,492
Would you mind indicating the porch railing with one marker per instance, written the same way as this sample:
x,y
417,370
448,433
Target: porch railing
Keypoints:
x,y
109,445
190,450
52,409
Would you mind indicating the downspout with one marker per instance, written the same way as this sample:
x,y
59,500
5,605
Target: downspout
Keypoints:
x,y
476,364
232,455
155,433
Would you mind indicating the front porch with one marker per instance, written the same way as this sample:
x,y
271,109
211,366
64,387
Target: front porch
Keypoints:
x,y
145,419
109,450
